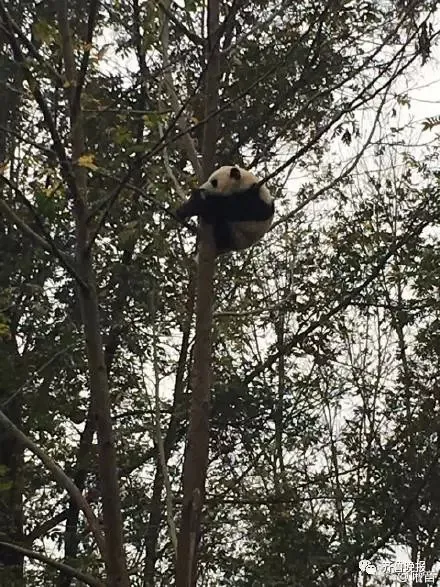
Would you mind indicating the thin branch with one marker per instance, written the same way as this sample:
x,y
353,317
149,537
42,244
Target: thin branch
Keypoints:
x,y
417,228
32,49
45,527
188,141
344,173
47,242
172,435
61,478
39,98
34,374
170,172
23,139
14,219
196,39
160,144
130,186
227,28
360,99
93,11
159,439
70,71
84,577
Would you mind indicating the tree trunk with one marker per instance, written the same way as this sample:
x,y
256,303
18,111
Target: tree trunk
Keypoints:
x,y
197,450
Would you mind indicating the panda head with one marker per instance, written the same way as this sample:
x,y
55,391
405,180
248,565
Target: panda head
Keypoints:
x,y
228,179
231,179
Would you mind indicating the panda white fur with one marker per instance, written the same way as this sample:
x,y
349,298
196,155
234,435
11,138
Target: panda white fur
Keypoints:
x,y
239,210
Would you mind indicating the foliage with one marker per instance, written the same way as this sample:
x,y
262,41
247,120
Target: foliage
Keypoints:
x,y
324,434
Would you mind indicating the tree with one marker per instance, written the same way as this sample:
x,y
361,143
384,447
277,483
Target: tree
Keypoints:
x,y
110,112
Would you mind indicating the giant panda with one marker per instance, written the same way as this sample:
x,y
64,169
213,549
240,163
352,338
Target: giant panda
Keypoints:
x,y
238,208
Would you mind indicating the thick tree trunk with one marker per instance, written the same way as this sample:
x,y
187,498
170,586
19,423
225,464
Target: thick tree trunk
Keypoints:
x,y
11,461
117,575
11,452
197,450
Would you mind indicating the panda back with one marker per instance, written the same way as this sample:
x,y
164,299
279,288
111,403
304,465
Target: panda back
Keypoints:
x,y
240,206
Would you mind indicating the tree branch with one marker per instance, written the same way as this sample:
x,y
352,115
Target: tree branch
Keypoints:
x,y
39,98
60,476
162,143
361,98
44,527
32,49
159,438
84,577
116,566
187,139
196,457
196,39
417,228
93,11
342,175
47,242
25,228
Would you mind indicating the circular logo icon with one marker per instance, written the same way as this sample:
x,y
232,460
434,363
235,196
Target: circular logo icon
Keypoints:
x,y
367,567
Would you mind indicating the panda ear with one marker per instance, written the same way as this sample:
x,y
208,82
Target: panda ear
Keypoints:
x,y
235,173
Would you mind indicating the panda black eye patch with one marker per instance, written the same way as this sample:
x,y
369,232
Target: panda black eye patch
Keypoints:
x,y
214,183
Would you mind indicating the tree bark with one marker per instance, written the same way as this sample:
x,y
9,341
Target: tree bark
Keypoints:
x,y
117,575
11,452
197,450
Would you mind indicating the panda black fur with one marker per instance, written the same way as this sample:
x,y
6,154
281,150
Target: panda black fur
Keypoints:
x,y
239,210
